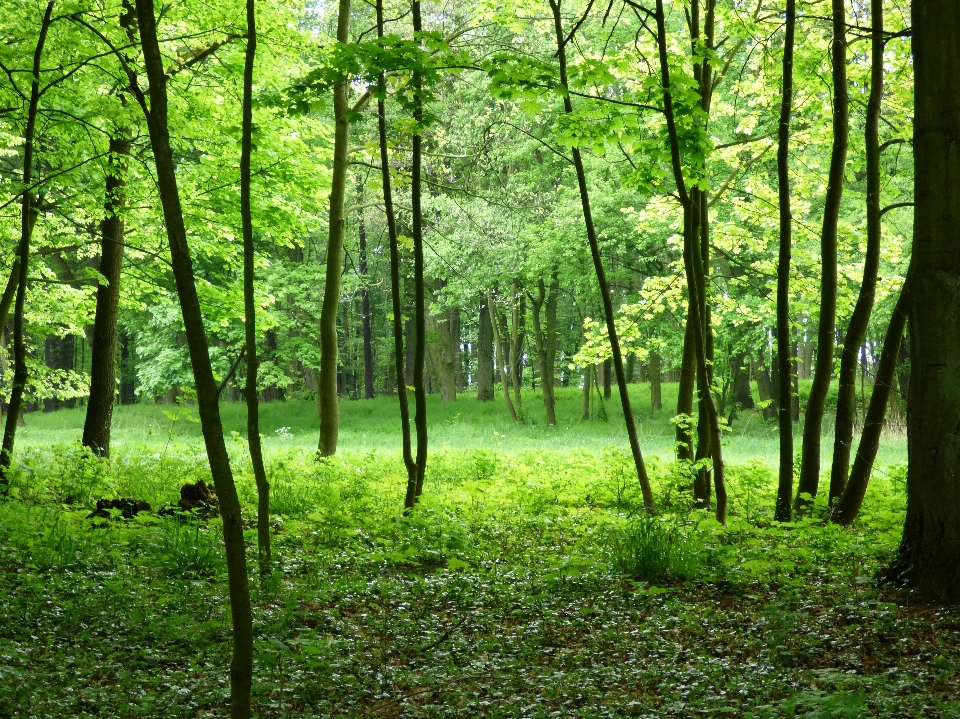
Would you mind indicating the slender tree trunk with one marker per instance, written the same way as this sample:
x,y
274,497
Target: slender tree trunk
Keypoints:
x,y
206,387
103,374
365,312
813,421
542,340
327,388
395,289
485,355
420,419
264,558
848,504
550,360
26,226
929,555
644,480
586,393
501,360
857,329
517,336
687,380
784,420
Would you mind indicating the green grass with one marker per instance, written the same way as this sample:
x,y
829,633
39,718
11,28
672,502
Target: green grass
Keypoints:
x,y
367,425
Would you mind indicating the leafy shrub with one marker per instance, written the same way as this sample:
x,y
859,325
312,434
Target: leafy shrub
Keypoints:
x,y
651,549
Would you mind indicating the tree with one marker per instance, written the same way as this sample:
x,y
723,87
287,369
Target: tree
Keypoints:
x,y
26,225
813,421
929,554
784,420
241,666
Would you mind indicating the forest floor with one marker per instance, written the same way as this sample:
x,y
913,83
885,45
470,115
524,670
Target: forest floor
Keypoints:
x,y
527,584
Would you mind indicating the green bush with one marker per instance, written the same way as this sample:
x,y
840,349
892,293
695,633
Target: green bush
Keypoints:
x,y
651,549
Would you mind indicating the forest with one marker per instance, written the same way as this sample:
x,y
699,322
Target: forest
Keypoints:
x,y
534,358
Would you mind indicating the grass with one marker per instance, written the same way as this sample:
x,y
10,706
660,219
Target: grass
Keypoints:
x,y
527,583
367,425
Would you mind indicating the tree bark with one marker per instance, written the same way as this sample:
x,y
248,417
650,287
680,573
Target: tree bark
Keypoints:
x,y
784,420
929,555
103,366
857,329
327,388
365,311
641,469
501,360
26,227
242,664
656,391
809,481
485,355
687,380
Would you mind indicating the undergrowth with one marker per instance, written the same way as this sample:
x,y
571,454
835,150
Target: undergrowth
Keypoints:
x,y
524,585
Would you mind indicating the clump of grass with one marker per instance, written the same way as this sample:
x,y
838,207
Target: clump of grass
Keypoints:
x,y
185,547
652,550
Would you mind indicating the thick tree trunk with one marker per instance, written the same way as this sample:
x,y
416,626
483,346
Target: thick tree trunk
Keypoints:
x,y
543,339
517,338
586,392
604,288
848,504
656,391
929,556
264,558
206,387
26,227
329,400
741,381
103,366
784,420
485,355
809,481
501,360
857,329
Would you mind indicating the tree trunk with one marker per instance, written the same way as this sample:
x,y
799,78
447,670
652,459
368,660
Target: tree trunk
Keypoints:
x,y
485,355
696,284
809,481
656,391
329,400
604,288
103,367
264,558
929,556
501,360
420,419
687,379
26,226
365,311
741,381
848,504
517,337
857,329
784,420
543,339
395,290
587,389
207,403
